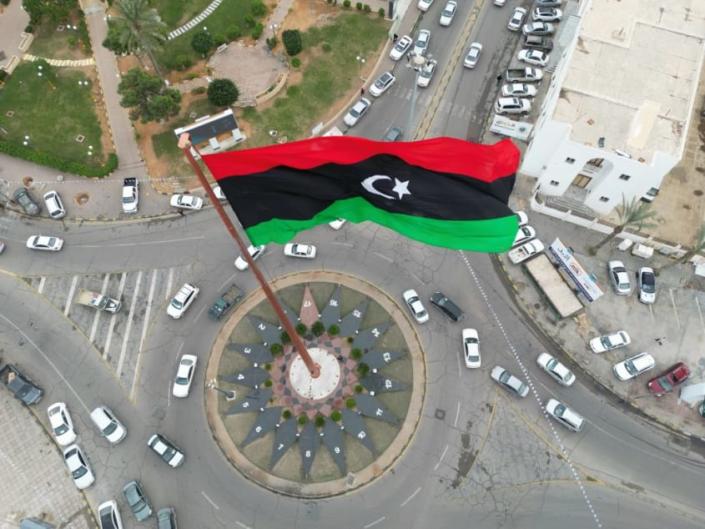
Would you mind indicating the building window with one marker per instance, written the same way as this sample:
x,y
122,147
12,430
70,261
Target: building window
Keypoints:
x,y
554,182
624,177
570,160
604,199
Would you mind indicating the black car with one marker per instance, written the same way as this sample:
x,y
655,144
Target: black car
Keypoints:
x,y
446,306
26,202
538,43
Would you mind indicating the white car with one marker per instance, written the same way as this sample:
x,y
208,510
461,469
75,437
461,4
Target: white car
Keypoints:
x,y
254,251
418,311
564,415
382,84
358,110
609,342
448,13
508,381
524,234
471,348
78,466
525,251
400,48
167,450
533,56
109,515
61,424
304,251
109,425
547,14
130,195
423,5
421,43
538,28
634,366
555,369
499,3
337,224
54,205
512,105
517,18
473,55
426,73
519,90
219,193
186,202
45,242
184,376
646,282
522,217
619,278
182,300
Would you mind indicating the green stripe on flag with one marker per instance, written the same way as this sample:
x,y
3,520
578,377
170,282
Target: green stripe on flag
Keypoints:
x,y
489,235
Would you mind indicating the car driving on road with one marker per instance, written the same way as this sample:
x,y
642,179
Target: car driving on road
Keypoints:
x,y
609,342
423,5
255,253
181,201
108,424
302,251
357,111
45,243
167,450
447,306
473,55
421,43
509,382
564,415
426,73
555,369
182,300
184,376
448,13
382,84
634,366
471,348
413,302
400,48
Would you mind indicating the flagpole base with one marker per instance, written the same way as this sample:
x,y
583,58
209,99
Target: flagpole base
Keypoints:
x,y
319,384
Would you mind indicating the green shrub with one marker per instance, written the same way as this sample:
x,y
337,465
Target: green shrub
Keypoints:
x,y
336,416
234,32
250,21
295,62
73,41
350,339
268,383
29,28
257,31
350,403
258,9
292,41
318,328
286,414
363,369
181,62
366,8
358,6
5,2
293,91
219,39
301,329
334,330
202,42
356,354
326,47
222,92
359,388
276,349
303,419
284,337
51,160
268,366
320,421
272,42
3,75
198,90
380,12
83,34
346,4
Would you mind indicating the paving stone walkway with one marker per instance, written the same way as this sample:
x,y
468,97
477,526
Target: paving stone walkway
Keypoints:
x,y
65,63
195,21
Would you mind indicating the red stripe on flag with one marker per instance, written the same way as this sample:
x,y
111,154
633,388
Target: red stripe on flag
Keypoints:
x,y
444,155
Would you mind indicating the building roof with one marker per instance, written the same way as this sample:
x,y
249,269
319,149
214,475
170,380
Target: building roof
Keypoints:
x,y
209,126
633,75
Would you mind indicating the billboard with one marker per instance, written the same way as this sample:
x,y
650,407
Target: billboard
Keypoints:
x,y
583,281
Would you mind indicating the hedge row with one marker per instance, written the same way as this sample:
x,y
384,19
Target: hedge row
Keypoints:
x,y
63,165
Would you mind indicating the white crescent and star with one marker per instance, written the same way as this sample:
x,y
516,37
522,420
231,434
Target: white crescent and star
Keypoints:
x,y
400,188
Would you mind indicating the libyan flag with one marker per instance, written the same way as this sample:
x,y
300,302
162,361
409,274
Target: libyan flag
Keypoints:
x,y
441,191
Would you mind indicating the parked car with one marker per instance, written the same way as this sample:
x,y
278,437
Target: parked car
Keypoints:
x,y
45,243
533,56
509,382
471,348
525,234
525,251
538,28
2,246
473,55
426,73
108,424
382,84
516,19
109,515
564,415
400,48
522,218
555,369
527,74
548,3
421,43
20,385
646,282
255,252
184,376
634,366
166,518
304,251
412,300
130,195
337,224
619,278
225,302
219,193
55,207
393,134
446,306
182,300
61,424
448,13
358,110
538,42
138,502
669,379
512,105
26,202
78,466
609,342
547,14
167,450
423,5
499,3
186,202
519,90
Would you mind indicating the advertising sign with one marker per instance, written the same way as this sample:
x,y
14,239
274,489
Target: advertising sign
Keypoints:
x,y
583,281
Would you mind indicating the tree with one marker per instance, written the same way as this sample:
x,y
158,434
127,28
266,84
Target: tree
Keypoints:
x,y
139,28
55,10
147,96
292,41
631,214
202,42
222,92
697,247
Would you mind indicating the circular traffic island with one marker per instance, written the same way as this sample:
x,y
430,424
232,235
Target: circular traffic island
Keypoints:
x,y
323,434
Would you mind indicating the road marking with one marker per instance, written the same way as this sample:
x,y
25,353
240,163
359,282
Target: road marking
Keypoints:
x,y
417,278
113,318
198,315
96,316
168,393
348,244
457,416
407,500
378,520
129,244
388,259
227,282
169,283
42,282
238,522
210,501
440,460
69,299
128,328
143,336
675,310
651,313
700,311
460,366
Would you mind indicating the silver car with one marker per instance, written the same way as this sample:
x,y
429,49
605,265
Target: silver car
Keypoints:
x,y
473,55
358,110
508,381
54,205
422,41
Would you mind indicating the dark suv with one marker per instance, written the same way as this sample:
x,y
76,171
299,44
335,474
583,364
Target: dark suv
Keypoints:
x,y
538,43
446,306
22,197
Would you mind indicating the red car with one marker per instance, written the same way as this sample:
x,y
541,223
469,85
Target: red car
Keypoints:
x,y
665,382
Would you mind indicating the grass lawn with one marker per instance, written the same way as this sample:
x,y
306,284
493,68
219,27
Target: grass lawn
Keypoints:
x,y
177,12
52,44
52,110
327,77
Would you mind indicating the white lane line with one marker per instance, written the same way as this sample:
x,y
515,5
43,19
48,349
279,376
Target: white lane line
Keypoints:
x,y
227,282
168,393
238,522
128,244
457,416
440,460
418,279
42,282
198,314
69,299
700,312
143,336
381,256
675,310
48,361
372,524
209,500
128,328
96,316
460,366
169,283
407,500
178,351
348,244
113,318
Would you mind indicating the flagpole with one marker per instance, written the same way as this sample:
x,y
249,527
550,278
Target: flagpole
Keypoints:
x,y
314,369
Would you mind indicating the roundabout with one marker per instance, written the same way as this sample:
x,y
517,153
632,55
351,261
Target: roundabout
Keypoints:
x,y
321,436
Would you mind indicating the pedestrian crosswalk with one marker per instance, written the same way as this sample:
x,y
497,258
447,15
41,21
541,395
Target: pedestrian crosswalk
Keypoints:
x,y
195,21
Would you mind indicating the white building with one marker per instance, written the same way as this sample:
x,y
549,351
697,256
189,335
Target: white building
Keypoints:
x,y
211,134
614,121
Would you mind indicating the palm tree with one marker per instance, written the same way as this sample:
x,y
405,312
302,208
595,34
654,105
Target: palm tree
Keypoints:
x,y
140,28
634,213
698,246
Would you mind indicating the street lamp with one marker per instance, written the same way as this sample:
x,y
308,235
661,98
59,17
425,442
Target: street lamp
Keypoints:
x,y
274,28
360,62
417,62
230,395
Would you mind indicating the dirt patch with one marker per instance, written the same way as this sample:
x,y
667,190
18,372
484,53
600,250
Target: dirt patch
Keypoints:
x,y
304,14
106,137
27,181
81,198
197,70
127,63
